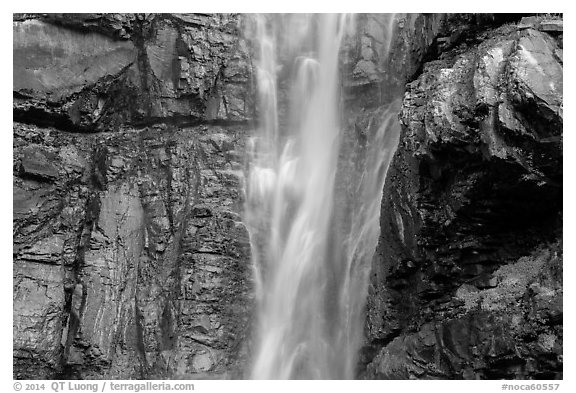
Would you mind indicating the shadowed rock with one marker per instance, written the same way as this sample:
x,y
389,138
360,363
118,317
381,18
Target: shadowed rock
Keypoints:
x,y
472,217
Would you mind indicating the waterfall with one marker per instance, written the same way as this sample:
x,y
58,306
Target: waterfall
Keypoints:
x,y
311,277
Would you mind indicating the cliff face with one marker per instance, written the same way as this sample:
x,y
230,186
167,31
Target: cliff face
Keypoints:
x,y
130,256
467,281
91,72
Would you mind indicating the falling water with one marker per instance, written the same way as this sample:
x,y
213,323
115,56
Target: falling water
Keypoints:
x,y
311,278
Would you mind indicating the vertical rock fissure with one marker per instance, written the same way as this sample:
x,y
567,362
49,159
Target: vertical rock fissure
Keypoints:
x,y
75,307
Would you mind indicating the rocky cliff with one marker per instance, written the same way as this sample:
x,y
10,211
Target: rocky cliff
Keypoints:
x,y
130,256
467,280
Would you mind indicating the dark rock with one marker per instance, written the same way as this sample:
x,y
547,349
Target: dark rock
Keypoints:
x,y
133,286
474,200
85,72
389,49
37,163
488,340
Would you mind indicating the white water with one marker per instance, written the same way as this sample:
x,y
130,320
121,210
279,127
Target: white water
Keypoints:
x,y
311,278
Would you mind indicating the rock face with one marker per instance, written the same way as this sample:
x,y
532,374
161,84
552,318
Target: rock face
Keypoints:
x,y
136,241
387,50
467,281
91,72
130,256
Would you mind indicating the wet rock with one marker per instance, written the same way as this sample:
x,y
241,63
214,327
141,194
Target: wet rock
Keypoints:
x,y
536,79
118,26
103,70
487,342
38,163
479,157
38,309
56,62
46,250
387,50
126,283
